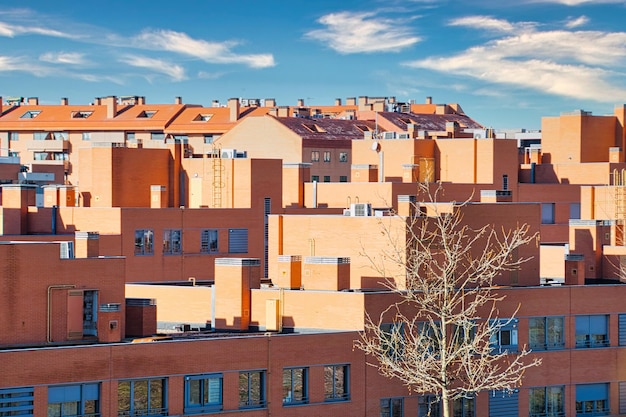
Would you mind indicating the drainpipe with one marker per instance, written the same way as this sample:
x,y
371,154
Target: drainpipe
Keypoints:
x,y
54,220
49,315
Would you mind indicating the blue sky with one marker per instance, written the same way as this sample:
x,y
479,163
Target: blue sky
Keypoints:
x,y
506,65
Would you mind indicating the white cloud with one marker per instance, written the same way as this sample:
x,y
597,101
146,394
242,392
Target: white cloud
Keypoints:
x,y
72,58
350,33
577,2
174,71
580,64
23,64
211,52
10,31
210,75
485,22
574,23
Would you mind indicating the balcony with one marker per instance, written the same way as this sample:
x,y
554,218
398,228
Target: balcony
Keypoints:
x,y
47,145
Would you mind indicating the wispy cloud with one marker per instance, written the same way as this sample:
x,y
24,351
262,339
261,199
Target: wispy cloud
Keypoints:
x,y
579,21
71,58
174,71
579,64
211,52
210,75
12,30
577,2
485,22
23,64
351,33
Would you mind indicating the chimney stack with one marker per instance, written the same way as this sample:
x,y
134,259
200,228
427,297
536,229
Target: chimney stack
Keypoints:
x,y
111,103
270,102
233,105
64,101
178,100
33,101
429,100
300,102
337,102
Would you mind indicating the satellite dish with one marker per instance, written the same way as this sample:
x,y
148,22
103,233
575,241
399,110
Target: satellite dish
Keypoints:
x,y
376,146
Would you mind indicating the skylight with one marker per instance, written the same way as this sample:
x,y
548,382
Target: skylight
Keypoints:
x,y
147,114
313,127
31,114
203,118
81,114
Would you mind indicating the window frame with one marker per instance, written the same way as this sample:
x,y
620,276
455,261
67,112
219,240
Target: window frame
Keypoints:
x,y
502,327
84,394
207,244
205,393
157,136
327,156
585,338
428,406
392,407
548,404
132,402
335,394
290,384
464,407
13,136
18,401
589,393
172,241
548,213
247,391
233,245
315,156
326,178
343,156
547,328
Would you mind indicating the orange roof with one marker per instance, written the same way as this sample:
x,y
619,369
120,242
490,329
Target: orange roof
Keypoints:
x,y
210,119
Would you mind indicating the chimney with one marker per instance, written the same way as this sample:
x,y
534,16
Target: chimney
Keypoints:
x,y
64,101
300,102
270,102
351,101
111,103
233,105
429,100
97,101
215,103
392,100
141,100
363,100
178,100
273,111
86,244
337,102
283,111
33,101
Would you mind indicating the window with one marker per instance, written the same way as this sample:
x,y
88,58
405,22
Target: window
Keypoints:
x,y
203,393
130,136
621,325
237,240
40,135
143,397
81,114
343,178
59,135
391,407
326,156
252,389
14,136
315,178
202,118
295,386
547,401
208,241
505,182
504,339
547,213
592,400
392,339
74,400
326,178
31,114
208,138
16,402
428,406
157,136
343,156
144,242
336,382
172,243
546,333
463,407
574,210
147,114
592,331
86,135
315,156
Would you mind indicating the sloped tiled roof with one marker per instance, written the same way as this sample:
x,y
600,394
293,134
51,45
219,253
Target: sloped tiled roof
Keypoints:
x,y
327,129
191,119
431,122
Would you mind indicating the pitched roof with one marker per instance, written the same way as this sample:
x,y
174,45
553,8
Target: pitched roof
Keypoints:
x,y
327,129
431,122
210,119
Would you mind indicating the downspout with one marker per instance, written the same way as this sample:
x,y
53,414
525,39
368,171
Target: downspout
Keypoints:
x,y
49,311
53,226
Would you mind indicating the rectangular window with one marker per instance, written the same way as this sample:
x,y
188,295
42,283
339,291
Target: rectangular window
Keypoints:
x,y
574,210
142,397
392,339
547,401
326,178
295,386
130,136
463,407
336,383
86,135
315,178
592,400
252,389
326,156
343,156
74,400
208,241
16,401
40,135
505,182
237,240
157,136
315,156
144,242
504,338
31,114
428,406
59,135
343,178
622,397
203,393
546,333
208,138
547,213
391,407
172,242
14,136
592,331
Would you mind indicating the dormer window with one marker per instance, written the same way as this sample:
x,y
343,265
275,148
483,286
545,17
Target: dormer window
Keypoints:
x,y
146,114
31,114
313,128
81,114
203,118
363,128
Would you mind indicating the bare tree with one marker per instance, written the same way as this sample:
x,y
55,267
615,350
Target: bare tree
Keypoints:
x,y
438,338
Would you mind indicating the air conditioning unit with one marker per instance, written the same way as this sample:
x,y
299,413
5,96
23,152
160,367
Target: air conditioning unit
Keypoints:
x,y
67,250
229,153
403,136
389,135
360,209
